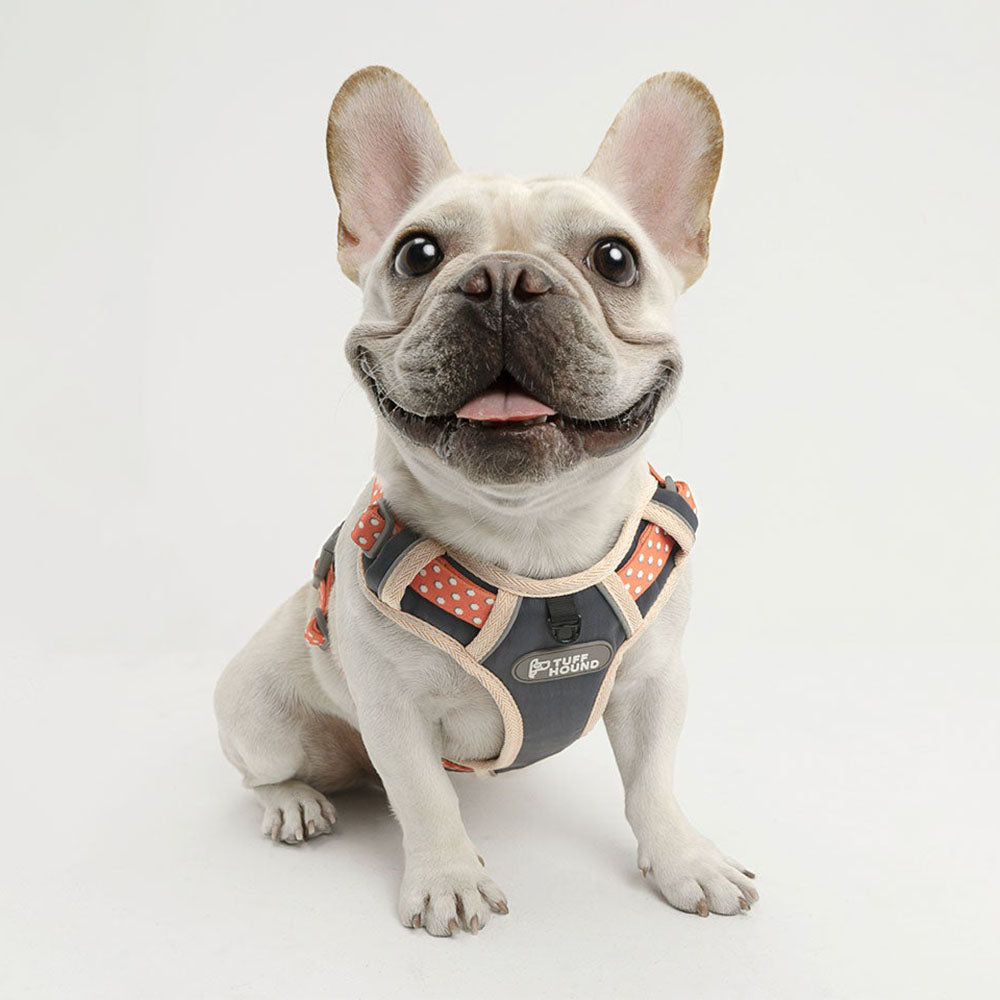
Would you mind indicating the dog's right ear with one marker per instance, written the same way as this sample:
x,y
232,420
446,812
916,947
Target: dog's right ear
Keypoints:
x,y
661,156
385,150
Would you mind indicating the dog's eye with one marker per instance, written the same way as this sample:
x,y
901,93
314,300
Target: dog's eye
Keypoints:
x,y
614,261
417,256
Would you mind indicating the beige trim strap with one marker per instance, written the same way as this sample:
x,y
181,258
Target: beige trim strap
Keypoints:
x,y
406,567
604,692
496,626
513,724
671,522
624,601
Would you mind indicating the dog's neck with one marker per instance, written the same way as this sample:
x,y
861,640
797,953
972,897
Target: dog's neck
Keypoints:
x,y
535,529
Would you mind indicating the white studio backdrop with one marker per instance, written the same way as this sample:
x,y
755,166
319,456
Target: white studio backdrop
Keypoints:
x,y
180,433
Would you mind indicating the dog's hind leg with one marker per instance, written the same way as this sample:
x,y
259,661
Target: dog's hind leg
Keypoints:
x,y
294,811
283,732
332,758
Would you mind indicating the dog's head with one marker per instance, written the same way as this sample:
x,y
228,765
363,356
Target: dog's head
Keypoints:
x,y
515,329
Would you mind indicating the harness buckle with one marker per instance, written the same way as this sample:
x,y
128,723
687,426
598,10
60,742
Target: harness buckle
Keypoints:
x,y
388,529
563,618
325,560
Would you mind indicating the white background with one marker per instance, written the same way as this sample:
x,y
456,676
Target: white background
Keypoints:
x,y
180,433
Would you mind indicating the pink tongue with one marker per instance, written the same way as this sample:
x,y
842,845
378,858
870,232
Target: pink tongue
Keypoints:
x,y
502,404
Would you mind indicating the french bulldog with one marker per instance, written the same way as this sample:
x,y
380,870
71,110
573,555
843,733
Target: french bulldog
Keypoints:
x,y
517,344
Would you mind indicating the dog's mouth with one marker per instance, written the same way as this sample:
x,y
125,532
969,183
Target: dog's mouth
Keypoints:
x,y
506,411
505,405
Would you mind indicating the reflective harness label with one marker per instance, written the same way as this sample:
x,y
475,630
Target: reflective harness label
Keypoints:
x,y
552,664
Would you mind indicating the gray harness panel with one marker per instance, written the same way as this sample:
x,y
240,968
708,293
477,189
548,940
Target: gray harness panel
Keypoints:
x,y
556,709
555,652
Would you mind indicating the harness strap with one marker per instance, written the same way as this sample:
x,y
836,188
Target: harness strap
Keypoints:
x,y
511,632
318,627
435,577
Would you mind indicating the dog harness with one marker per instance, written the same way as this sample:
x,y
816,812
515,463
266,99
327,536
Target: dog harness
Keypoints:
x,y
546,650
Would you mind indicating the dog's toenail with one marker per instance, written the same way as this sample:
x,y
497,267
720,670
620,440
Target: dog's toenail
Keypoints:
x,y
749,874
416,922
702,908
744,905
474,925
452,925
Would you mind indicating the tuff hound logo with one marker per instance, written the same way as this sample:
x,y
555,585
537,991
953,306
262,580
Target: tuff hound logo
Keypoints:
x,y
568,661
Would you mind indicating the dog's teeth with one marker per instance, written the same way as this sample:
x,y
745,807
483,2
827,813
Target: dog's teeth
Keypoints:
x,y
532,422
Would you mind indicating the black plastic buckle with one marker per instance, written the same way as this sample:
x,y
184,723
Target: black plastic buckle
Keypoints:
x,y
563,619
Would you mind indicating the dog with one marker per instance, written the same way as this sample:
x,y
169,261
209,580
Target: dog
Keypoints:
x,y
517,345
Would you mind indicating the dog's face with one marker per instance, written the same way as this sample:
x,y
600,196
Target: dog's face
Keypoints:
x,y
516,329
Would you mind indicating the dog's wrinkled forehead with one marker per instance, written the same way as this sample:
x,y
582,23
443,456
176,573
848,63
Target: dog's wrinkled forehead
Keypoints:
x,y
491,213
556,220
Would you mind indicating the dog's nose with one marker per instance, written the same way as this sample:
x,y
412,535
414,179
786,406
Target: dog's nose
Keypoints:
x,y
518,281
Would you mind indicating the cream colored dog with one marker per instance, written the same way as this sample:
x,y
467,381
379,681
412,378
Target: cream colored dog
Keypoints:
x,y
517,342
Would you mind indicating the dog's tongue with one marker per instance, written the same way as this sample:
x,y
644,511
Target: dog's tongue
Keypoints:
x,y
504,402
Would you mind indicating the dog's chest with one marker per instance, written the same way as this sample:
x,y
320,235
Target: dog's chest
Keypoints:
x,y
508,669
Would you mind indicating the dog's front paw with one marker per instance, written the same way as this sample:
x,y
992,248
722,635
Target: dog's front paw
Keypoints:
x,y
694,876
442,895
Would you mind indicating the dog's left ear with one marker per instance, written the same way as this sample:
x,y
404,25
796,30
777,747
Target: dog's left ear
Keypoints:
x,y
384,149
661,156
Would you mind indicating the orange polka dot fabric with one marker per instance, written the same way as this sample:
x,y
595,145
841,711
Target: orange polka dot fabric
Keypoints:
x,y
685,491
647,560
439,581
369,527
651,551
442,584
